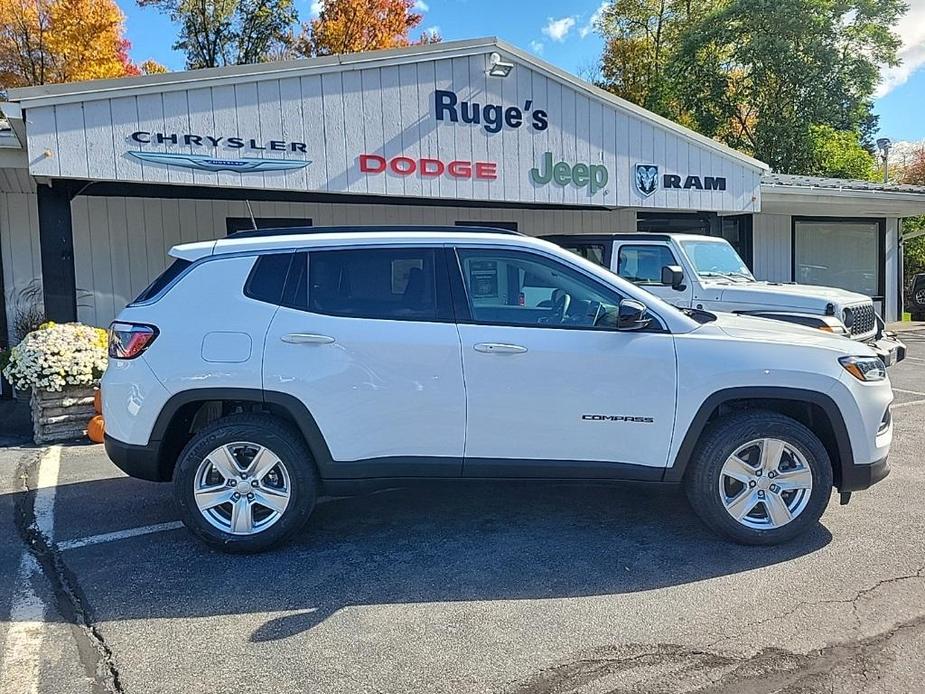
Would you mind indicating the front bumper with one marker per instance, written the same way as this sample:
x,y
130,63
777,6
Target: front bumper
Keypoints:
x,y
856,477
889,348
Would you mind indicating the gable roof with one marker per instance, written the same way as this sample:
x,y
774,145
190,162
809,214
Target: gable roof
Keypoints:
x,y
53,94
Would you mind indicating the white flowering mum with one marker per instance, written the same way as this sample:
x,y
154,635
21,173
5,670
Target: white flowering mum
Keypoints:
x,y
58,355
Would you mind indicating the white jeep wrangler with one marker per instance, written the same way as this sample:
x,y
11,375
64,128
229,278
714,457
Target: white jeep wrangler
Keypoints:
x,y
705,273
266,368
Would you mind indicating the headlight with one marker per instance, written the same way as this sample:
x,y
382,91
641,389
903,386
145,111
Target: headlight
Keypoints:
x,y
864,368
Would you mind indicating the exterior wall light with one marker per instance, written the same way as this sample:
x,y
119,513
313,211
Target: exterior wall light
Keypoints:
x,y
498,67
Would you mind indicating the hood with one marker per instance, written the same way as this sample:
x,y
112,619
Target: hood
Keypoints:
x,y
778,332
801,297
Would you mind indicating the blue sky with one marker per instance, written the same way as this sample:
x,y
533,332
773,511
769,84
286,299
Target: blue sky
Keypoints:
x,y
561,33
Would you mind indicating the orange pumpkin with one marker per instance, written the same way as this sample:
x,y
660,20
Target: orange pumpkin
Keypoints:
x,y
95,429
98,401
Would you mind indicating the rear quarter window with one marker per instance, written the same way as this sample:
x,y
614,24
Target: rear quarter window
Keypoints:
x,y
268,277
165,278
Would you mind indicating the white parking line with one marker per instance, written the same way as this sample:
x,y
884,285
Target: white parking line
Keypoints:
x,y
19,667
908,392
119,535
910,403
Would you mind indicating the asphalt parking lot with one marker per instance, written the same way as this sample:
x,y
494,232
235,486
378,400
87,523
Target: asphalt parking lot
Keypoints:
x,y
520,589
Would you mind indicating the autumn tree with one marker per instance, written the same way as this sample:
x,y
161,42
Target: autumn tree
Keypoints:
x,y
214,33
761,74
349,26
46,41
914,227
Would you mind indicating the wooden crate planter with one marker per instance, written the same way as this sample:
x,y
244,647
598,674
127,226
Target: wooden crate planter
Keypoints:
x,y
62,416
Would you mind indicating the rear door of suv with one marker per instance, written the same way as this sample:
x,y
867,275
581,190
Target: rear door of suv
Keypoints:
x,y
550,391
365,338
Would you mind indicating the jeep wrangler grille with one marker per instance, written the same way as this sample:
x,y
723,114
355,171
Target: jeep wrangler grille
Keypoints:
x,y
861,318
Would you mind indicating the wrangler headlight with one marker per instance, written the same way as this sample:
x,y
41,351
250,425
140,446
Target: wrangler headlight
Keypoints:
x,y
864,368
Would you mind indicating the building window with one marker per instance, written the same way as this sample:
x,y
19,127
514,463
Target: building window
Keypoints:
x,y
845,253
233,224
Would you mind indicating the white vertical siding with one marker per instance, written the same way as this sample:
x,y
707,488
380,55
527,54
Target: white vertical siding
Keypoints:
x,y
19,246
389,111
772,247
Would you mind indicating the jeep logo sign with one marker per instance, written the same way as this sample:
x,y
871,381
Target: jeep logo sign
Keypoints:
x,y
590,176
646,180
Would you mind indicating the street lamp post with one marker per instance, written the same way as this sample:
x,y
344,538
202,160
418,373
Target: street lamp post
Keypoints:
x,y
884,144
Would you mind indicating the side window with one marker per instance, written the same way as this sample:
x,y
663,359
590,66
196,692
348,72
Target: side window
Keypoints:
x,y
513,288
643,264
384,283
267,277
589,251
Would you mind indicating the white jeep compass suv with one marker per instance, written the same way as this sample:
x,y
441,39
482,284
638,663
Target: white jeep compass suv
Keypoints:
x,y
264,369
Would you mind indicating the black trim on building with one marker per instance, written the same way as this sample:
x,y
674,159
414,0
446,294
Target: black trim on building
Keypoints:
x,y
56,239
157,190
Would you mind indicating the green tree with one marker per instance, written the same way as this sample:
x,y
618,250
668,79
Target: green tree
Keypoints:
x,y
640,39
839,153
214,33
760,74
914,248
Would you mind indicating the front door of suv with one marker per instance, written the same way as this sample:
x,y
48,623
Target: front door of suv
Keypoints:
x,y
550,391
365,339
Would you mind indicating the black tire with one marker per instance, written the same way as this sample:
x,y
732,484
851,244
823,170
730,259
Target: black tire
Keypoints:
x,y
276,435
720,440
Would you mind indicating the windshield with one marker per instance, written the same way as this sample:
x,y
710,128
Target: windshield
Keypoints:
x,y
716,259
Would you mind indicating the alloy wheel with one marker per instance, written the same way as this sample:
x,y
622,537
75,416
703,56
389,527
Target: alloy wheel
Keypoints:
x,y
242,488
765,484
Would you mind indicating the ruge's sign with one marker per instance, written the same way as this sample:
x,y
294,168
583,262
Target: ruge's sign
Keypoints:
x,y
427,167
492,117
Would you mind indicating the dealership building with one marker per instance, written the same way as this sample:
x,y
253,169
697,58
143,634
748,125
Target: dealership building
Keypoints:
x,y
99,179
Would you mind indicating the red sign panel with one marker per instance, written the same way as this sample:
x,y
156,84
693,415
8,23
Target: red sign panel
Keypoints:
x,y
428,167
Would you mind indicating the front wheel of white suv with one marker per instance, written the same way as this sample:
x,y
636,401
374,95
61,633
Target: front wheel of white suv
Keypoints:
x,y
245,483
759,478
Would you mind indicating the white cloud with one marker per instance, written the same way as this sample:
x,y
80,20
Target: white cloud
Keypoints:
x,y
911,29
421,6
316,7
558,29
537,47
595,17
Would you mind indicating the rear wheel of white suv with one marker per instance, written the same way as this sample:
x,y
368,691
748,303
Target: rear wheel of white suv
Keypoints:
x,y
759,478
245,483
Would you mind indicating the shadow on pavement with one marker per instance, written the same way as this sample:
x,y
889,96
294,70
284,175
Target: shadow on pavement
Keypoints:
x,y
456,542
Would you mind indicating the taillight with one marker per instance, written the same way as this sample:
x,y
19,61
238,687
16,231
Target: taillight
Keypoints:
x,y
128,340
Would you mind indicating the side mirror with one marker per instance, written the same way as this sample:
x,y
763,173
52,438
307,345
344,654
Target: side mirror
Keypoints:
x,y
632,315
673,276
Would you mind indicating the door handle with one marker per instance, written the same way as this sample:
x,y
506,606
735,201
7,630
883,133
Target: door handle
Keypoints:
x,y
307,339
499,348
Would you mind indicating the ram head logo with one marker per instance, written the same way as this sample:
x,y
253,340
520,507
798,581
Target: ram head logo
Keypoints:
x,y
646,179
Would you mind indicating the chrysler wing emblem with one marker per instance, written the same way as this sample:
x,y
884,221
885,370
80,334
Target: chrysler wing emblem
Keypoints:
x,y
646,179
205,163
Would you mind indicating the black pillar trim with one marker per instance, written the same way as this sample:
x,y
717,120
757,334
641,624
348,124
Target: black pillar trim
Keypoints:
x,y
56,239
6,391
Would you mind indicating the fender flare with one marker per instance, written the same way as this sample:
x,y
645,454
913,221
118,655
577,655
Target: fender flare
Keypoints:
x,y
675,473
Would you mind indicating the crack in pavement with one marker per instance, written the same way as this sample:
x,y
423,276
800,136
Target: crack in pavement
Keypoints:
x,y
70,602
670,667
853,601
664,667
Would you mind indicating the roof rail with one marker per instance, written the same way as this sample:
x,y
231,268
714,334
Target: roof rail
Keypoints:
x,y
291,231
